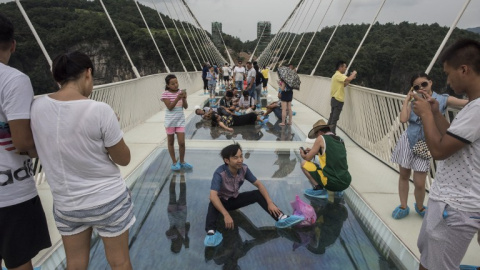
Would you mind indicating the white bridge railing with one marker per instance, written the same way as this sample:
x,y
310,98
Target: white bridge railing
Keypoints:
x,y
370,117
135,100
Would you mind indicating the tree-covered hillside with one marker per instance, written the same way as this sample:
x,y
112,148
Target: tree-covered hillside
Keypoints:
x,y
83,25
390,54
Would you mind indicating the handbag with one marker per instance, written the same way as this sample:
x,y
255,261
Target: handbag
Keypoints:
x,y
420,149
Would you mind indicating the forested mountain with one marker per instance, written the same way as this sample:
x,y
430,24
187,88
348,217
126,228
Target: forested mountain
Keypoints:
x,y
390,54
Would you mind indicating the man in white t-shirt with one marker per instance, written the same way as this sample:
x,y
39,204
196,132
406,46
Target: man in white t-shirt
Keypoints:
x,y
251,75
453,214
239,75
23,227
226,70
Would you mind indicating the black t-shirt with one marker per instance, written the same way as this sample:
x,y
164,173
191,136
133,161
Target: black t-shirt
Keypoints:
x,y
226,103
259,78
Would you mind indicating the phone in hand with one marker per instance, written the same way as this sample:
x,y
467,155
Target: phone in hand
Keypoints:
x,y
303,149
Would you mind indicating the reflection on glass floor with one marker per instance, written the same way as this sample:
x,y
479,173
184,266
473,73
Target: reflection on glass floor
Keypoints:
x,y
171,210
198,129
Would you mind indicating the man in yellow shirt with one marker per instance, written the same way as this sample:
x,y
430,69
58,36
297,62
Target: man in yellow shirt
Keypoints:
x,y
339,81
265,72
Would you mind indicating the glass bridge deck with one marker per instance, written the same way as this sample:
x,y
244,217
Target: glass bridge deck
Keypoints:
x,y
171,208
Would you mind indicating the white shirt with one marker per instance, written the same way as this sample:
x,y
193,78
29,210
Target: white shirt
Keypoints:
x,y
226,71
16,95
457,180
239,73
71,137
251,74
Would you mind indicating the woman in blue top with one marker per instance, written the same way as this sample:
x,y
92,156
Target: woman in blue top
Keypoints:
x,y
403,154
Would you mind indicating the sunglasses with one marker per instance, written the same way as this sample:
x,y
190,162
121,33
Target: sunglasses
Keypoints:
x,y
422,85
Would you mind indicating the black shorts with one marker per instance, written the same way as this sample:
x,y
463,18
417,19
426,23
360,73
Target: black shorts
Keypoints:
x,y
287,96
23,232
265,82
226,78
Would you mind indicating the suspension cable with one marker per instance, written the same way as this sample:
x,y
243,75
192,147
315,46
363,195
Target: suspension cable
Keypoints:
x,y
169,37
185,31
313,36
452,27
330,39
195,36
35,34
298,30
202,33
287,36
135,71
258,42
226,49
365,36
280,30
301,38
180,36
151,35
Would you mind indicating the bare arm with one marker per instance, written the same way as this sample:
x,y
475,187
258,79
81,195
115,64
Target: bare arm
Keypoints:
x,y
272,208
405,112
350,78
440,144
171,104
317,146
22,137
456,102
219,206
119,153
222,125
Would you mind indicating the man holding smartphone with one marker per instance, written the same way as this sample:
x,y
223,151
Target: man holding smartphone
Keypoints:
x,y
325,167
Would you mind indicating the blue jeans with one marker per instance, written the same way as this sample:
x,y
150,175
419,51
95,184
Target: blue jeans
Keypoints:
x,y
239,85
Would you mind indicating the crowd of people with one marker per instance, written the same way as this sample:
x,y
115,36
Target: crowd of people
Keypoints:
x,y
80,143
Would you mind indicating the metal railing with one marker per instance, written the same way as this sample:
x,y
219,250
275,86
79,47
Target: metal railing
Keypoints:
x,y
370,117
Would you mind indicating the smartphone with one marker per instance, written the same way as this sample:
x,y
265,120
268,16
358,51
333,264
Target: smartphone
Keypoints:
x,y
418,94
303,149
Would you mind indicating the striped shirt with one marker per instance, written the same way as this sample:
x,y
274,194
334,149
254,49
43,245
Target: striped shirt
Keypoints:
x,y
174,117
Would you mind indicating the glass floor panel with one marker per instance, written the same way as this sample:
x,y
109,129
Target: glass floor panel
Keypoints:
x,y
171,208
198,129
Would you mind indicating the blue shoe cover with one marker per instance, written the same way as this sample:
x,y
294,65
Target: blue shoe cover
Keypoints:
x,y
400,213
176,166
186,166
289,221
320,193
339,194
213,240
418,211
468,267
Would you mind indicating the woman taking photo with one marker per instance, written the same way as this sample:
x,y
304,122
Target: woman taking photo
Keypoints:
x,y
79,142
404,155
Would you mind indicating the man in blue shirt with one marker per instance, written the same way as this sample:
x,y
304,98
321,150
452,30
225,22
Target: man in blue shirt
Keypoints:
x,y
225,195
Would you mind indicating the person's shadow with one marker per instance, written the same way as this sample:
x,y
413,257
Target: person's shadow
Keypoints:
x,y
232,248
177,215
325,231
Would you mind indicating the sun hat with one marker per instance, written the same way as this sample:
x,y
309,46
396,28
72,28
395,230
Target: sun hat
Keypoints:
x,y
316,127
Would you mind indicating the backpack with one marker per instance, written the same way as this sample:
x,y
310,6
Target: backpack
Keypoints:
x,y
301,208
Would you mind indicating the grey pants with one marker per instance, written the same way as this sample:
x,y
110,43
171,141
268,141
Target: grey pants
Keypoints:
x,y
337,107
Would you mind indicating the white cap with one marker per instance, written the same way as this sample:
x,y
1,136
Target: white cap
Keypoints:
x,y
197,107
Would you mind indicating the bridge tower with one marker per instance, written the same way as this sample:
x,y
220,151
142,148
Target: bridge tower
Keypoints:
x,y
264,33
216,34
